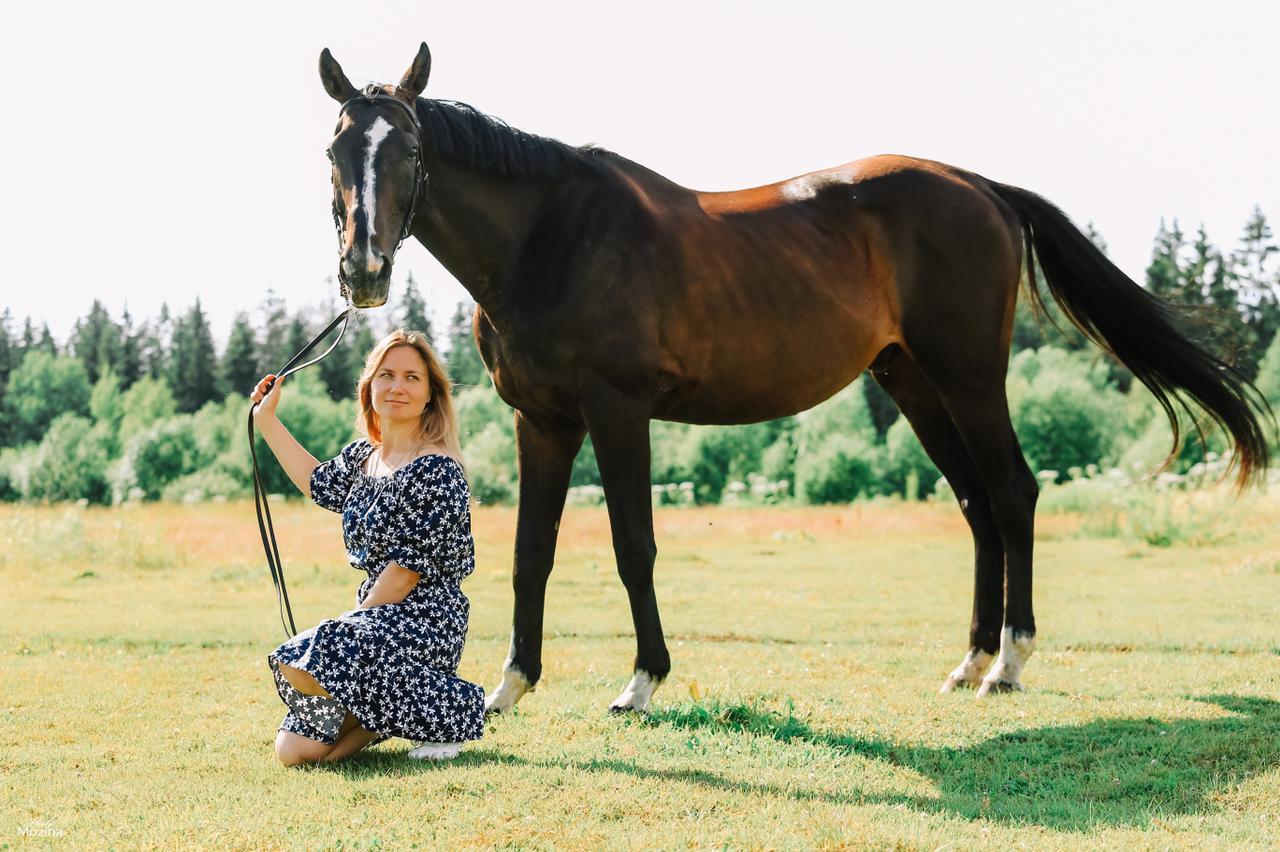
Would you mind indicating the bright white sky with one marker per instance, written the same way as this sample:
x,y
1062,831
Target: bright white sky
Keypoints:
x,y
169,151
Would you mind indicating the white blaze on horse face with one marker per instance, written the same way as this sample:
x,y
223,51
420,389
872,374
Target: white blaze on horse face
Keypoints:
x,y
368,193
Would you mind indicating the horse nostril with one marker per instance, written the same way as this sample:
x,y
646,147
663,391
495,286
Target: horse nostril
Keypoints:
x,y
374,261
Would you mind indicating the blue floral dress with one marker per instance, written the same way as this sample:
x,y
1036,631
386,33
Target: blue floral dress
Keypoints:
x,y
392,666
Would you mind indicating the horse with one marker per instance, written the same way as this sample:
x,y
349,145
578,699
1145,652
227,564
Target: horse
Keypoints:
x,y
608,295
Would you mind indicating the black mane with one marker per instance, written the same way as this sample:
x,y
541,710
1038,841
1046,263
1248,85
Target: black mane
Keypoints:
x,y
460,132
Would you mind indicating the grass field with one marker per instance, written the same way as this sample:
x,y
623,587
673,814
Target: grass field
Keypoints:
x,y
802,712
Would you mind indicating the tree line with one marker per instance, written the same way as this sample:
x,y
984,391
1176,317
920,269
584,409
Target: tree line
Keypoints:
x,y
127,410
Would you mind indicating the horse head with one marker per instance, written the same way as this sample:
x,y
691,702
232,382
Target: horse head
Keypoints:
x,y
376,153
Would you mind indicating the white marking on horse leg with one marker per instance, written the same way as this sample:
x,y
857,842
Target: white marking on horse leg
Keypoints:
x,y
368,192
637,694
514,685
1006,674
970,671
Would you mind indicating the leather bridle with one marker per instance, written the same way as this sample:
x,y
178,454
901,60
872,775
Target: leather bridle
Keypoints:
x,y
373,94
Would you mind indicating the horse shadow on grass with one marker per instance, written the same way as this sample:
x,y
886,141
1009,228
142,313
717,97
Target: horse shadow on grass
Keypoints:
x,y
1110,772
1117,772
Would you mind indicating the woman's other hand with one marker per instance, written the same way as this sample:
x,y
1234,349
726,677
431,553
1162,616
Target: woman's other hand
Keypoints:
x,y
266,406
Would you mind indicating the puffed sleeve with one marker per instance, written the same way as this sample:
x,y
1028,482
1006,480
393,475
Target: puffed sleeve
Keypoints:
x,y
331,480
430,529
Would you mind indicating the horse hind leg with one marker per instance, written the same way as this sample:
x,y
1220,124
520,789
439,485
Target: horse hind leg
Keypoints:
x,y
620,434
973,394
920,404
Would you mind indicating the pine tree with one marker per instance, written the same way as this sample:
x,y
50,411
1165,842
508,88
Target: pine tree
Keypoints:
x,y
46,342
271,332
8,349
1214,276
194,373
1165,272
1249,262
296,337
336,370
465,367
1096,238
1205,282
240,367
28,338
156,343
361,346
1258,296
413,311
130,352
96,341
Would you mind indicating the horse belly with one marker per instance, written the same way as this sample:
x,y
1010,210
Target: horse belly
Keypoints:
x,y
771,363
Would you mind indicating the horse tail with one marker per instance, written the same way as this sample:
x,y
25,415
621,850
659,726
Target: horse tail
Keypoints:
x,y
1142,331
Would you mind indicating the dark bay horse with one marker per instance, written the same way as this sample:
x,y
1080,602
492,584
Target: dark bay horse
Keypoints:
x,y
608,295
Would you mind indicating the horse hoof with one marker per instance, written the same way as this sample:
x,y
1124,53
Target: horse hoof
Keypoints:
x,y
637,694
970,671
998,687
622,710
954,683
514,686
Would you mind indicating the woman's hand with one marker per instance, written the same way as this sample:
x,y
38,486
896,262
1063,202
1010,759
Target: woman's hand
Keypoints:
x,y
266,407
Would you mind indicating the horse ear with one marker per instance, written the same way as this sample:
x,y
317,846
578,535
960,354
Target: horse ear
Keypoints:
x,y
335,82
415,79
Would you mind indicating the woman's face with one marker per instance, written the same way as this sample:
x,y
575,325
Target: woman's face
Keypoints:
x,y
400,388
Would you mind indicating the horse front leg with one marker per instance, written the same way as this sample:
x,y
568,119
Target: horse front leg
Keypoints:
x,y
620,434
544,456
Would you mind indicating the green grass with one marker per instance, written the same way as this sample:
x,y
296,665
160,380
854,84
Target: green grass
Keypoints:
x,y
808,645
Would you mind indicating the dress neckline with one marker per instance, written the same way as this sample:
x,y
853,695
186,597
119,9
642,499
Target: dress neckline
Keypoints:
x,y
415,459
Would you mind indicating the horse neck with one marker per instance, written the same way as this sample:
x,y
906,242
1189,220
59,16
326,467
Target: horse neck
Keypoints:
x,y
476,225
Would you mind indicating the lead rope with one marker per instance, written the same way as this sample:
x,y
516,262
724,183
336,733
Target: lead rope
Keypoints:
x,y
259,492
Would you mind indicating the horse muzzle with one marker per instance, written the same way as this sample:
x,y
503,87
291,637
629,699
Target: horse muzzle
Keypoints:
x,y
367,276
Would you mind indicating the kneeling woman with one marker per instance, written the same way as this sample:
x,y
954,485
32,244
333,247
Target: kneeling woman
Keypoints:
x,y
387,668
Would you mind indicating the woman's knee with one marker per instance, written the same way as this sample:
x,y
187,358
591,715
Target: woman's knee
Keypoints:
x,y
302,681
294,749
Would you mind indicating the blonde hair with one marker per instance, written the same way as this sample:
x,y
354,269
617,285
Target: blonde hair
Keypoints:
x,y
439,422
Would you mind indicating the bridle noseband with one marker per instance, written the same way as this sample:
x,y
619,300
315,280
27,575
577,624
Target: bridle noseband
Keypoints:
x,y
373,94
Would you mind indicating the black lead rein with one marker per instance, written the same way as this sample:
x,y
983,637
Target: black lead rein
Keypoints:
x,y
370,94
260,493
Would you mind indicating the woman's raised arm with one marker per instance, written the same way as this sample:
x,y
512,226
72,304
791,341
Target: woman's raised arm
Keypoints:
x,y
293,457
